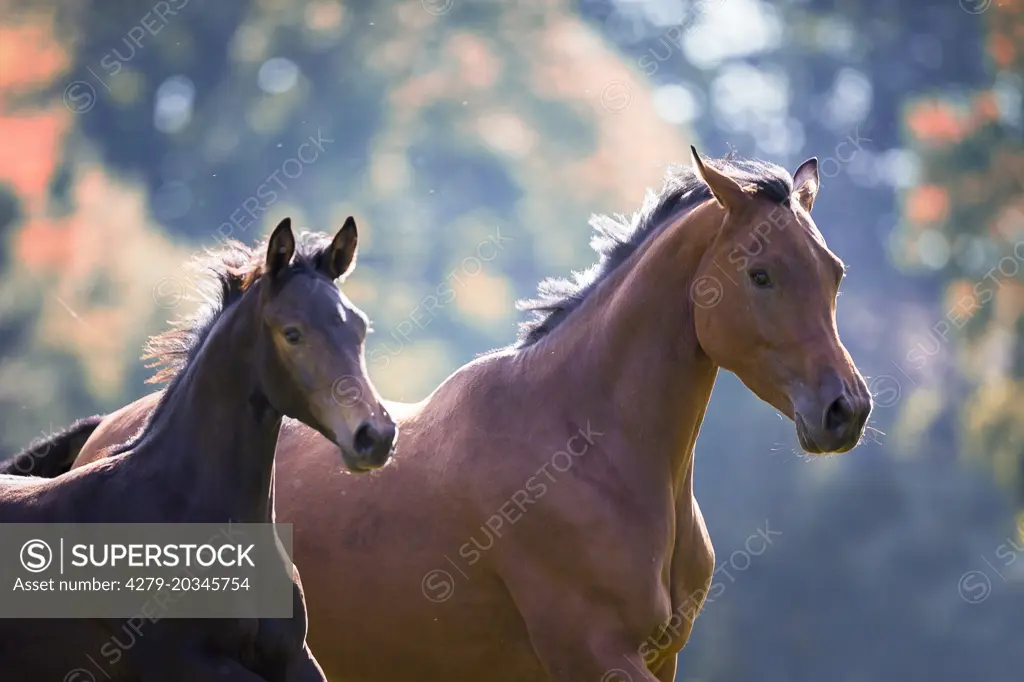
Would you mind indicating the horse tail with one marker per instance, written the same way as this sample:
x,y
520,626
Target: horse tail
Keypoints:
x,y
54,456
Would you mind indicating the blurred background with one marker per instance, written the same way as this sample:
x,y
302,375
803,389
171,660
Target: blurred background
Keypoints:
x,y
472,140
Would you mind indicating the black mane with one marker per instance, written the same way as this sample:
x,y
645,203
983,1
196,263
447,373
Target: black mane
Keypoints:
x,y
617,238
231,269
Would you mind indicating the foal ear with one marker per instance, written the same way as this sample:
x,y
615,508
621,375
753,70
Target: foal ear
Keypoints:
x,y
341,257
725,190
280,248
805,182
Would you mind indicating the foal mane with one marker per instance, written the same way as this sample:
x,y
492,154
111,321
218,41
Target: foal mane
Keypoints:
x,y
617,237
229,272
232,268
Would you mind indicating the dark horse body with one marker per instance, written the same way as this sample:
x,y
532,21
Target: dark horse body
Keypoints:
x,y
207,456
539,521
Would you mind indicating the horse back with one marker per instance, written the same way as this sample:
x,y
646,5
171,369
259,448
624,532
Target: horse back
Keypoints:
x,y
116,428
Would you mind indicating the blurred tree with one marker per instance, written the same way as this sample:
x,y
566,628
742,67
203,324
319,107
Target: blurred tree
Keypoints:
x,y
459,133
79,253
964,219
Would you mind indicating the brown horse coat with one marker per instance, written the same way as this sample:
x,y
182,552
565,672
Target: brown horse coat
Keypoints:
x,y
538,519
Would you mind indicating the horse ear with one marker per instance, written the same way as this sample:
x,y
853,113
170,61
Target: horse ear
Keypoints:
x,y
280,248
341,257
726,191
805,182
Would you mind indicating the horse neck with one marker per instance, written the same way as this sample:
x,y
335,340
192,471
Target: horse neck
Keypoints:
x,y
217,432
629,356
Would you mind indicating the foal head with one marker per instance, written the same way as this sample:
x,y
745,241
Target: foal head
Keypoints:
x,y
310,347
765,308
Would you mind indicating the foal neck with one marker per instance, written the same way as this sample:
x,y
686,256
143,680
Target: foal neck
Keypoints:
x,y
629,356
217,432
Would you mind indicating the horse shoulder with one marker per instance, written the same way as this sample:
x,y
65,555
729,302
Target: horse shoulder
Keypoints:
x,y
570,528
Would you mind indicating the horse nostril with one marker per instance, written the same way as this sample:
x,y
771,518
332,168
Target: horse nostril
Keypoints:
x,y
387,438
365,439
838,414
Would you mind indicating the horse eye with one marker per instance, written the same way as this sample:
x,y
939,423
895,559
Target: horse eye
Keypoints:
x,y
292,335
760,278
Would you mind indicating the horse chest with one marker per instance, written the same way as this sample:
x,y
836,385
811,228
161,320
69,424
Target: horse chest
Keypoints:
x,y
691,569
278,641
264,646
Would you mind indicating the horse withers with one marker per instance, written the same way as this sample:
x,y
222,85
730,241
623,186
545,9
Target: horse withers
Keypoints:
x,y
277,343
541,523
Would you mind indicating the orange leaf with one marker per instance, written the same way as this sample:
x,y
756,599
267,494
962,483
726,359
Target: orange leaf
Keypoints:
x,y
927,203
1002,50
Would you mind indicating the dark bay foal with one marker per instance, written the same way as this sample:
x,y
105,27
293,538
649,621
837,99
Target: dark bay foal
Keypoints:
x,y
278,343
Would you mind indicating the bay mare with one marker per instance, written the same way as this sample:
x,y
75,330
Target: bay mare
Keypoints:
x,y
539,521
274,344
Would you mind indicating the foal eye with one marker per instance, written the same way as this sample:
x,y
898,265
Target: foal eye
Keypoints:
x,y
292,335
760,279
